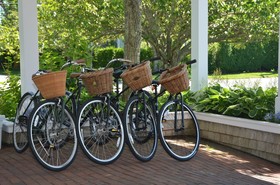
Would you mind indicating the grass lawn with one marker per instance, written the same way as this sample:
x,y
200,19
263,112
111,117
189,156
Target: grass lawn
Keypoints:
x,y
246,75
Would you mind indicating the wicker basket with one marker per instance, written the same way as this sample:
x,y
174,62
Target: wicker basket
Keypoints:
x,y
175,80
98,82
138,76
51,85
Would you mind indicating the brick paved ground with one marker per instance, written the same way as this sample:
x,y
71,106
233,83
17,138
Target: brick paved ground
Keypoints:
x,y
214,164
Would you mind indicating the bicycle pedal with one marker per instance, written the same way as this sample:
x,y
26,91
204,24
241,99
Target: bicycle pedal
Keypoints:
x,y
114,130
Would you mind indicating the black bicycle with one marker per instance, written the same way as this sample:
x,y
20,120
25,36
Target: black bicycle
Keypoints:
x,y
99,125
138,115
177,125
30,100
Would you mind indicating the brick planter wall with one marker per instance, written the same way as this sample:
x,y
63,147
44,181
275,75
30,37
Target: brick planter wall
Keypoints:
x,y
258,138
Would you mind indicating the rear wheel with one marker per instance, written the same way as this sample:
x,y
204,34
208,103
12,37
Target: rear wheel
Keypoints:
x,y
25,106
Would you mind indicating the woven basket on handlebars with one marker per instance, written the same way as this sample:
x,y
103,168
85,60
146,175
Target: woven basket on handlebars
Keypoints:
x,y
138,76
98,82
51,85
175,80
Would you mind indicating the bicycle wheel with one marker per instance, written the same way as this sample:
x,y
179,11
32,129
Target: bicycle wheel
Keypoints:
x,y
25,106
140,128
100,131
52,135
178,133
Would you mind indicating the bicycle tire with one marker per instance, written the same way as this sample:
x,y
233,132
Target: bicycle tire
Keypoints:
x,y
181,144
101,137
20,140
52,139
140,128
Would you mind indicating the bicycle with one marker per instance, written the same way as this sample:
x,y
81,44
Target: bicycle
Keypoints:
x,y
99,125
179,138
139,119
50,128
27,103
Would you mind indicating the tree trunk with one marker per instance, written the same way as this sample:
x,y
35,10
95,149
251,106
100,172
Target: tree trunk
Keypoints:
x,y
133,30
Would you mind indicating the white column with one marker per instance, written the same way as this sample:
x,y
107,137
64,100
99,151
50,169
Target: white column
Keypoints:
x,y
277,99
28,32
199,44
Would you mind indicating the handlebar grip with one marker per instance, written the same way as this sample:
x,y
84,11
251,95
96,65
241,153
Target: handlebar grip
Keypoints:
x,y
191,62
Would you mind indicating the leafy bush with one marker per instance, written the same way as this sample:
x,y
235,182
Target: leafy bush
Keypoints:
x,y
9,95
253,103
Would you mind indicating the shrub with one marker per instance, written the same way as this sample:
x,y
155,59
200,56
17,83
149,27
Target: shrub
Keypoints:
x,y
253,103
9,94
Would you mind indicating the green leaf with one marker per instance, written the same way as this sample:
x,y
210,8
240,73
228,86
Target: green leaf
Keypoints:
x,y
214,97
253,113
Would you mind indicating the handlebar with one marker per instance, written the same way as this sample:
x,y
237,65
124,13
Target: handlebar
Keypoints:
x,y
152,59
80,62
40,72
162,70
126,61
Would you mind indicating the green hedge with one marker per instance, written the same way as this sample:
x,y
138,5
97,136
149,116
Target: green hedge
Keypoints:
x,y
103,55
238,58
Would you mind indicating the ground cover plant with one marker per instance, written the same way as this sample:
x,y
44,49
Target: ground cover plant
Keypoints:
x,y
239,101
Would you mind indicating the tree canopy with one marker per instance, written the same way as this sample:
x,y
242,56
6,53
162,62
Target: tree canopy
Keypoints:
x,y
71,28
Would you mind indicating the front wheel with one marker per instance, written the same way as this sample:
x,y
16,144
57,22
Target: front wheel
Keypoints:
x,y
178,130
140,128
52,135
100,131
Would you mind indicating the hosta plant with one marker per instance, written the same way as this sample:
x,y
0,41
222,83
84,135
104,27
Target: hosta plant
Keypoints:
x,y
240,101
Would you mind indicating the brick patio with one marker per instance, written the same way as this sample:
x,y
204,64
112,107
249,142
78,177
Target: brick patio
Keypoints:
x,y
214,164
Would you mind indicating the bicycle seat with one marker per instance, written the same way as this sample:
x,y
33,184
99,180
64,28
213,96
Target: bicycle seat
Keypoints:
x,y
75,75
